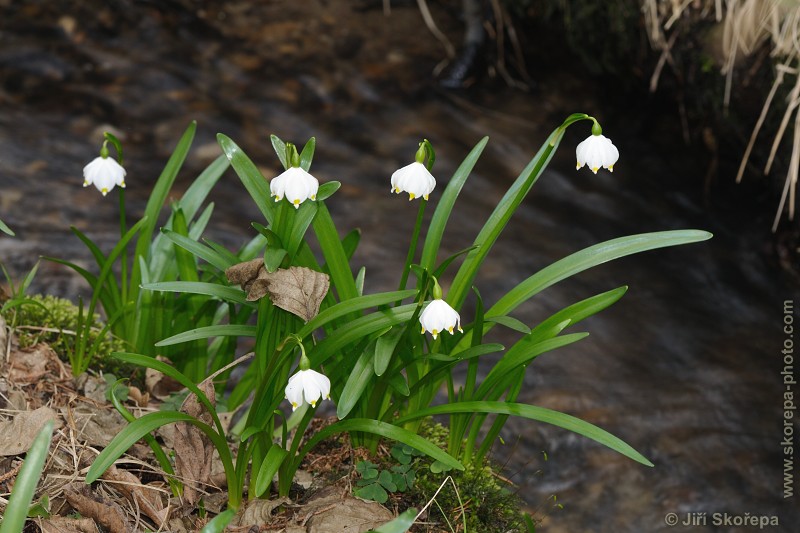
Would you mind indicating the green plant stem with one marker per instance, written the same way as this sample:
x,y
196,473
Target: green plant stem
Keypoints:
x,y
123,228
412,247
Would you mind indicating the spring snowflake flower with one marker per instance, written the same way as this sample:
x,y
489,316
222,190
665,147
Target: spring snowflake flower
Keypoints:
x,y
307,386
413,179
438,316
104,173
595,152
296,185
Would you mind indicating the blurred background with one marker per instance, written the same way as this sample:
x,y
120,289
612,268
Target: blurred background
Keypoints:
x,y
685,368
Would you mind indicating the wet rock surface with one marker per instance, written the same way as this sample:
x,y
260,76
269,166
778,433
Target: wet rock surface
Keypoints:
x,y
686,367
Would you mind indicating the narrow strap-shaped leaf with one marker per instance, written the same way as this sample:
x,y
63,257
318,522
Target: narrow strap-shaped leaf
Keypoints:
x,y
588,258
498,219
137,429
401,524
440,217
200,250
335,258
158,196
307,155
219,522
231,294
221,330
5,229
385,430
357,381
358,329
269,467
520,355
350,306
16,510
251,177
571,423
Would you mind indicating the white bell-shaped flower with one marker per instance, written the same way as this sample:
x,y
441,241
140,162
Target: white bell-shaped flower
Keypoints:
x,y
296,185
104,173
438,316
307,386
413,179
595,152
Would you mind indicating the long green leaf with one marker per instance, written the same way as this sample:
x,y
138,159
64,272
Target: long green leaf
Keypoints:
x,y
588,258
269,467
219,522
16,511
251,177
134,431
221,330
200,250
350,306
385,430
151,362
5,229
357,381
440,217
571,423
157,198
358,329
498,219
336,260
232,294
401,524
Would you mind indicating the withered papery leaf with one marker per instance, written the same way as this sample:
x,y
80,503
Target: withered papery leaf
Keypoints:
x,y
298,290
193,449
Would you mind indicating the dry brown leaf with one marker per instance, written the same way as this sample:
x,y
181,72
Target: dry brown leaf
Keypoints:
x,y
298,290
62,524
244,273
141,496
258,512
107,514
3,337
17,435
194,451
158,384
29,365
330,510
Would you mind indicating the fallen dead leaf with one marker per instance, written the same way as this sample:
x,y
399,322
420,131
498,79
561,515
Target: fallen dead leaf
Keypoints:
x,y
29,365
298,290
144,498
107,514
17,435
3,336
62,524
193,449
330,510
258,512
158,384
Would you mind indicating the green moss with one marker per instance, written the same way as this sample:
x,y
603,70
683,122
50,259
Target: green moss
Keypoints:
x,y
489,504
54,321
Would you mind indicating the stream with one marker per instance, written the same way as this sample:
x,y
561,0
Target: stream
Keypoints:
x,y
686,367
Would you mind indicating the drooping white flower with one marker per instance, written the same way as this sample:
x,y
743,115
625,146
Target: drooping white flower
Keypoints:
x,y
296,185
595,152
307,386
438,316
413,179
104,173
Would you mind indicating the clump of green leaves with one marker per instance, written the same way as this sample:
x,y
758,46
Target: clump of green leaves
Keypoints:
x,y
376,484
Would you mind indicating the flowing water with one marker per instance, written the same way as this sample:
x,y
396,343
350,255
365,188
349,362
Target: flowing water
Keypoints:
x,y
686,367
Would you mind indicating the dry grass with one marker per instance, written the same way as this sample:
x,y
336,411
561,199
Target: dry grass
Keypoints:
x,y
747,26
